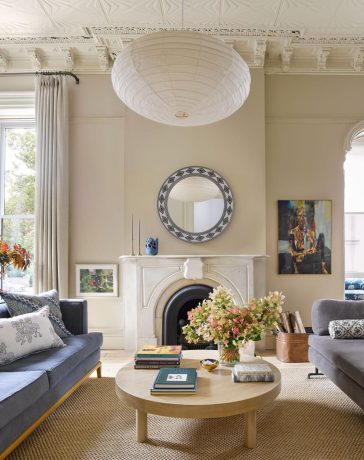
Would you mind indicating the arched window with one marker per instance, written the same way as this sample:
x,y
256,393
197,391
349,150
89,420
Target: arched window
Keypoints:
x,y
354,218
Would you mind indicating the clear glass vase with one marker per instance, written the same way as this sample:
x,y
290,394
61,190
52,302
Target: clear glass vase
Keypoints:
x,y
228,356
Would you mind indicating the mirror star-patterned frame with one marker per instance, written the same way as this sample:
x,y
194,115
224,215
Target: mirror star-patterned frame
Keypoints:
x,y
212,232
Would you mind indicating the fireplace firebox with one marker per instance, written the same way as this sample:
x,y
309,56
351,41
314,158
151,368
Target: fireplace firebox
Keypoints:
x,y
175,314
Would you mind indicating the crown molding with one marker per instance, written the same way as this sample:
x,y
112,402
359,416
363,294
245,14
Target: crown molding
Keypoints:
x,y
281,51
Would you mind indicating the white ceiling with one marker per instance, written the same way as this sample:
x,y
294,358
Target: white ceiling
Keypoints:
x,y
281,35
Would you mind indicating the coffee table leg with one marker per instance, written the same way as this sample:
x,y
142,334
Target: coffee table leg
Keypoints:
x,y
141,426
250,429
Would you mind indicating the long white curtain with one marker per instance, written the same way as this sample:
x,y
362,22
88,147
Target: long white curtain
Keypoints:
x,y
51,196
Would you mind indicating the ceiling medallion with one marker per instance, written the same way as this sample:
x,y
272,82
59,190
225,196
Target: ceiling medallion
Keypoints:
x,y
181,78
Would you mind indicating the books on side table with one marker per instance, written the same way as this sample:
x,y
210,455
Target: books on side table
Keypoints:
x,y
252,372
156,357
175,381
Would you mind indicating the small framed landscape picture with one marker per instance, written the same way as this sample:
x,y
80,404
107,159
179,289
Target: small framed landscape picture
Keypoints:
x,y
98,280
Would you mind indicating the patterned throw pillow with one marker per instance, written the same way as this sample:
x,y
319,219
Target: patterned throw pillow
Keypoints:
x,y
347,329
25,334
20,304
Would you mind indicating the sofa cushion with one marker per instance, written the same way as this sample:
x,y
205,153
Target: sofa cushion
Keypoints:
x,y
347,355
25,334
18,391
326,310
19,304
59,362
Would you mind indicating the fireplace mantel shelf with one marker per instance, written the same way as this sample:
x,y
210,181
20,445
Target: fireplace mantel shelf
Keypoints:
x,y
190,256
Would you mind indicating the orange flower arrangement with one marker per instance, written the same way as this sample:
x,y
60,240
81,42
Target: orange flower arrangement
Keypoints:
x,y
16,256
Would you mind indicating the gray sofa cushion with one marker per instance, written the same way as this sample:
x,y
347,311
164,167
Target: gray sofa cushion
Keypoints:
x,y
326,310
347,355
18,391
59,362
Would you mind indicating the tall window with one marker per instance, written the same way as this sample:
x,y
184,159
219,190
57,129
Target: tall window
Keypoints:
x,y
354,209
17,193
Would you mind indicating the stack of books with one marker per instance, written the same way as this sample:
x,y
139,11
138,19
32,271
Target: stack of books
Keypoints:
x,y
252,372
155,357
175,382
290,322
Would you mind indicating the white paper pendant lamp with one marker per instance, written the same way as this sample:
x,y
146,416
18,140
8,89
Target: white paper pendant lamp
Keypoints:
x,y
181,78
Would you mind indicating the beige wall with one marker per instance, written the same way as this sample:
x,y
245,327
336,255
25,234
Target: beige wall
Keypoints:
x,y
308,119
119,160
234,147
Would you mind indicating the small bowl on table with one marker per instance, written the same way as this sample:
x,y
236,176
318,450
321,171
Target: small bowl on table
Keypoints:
x,y
209,364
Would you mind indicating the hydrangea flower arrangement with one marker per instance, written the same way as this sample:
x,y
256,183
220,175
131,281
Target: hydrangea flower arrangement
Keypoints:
x,y
217,319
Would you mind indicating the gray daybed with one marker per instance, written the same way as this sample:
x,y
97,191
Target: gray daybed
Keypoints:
x,y
32,387
341,360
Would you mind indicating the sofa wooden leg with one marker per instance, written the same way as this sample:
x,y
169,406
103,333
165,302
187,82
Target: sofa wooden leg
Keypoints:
x,y
98,372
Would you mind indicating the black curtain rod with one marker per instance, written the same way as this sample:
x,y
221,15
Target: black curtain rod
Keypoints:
x,y
70,74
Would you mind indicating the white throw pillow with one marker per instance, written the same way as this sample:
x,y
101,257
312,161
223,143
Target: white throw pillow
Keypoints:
x,y
25,334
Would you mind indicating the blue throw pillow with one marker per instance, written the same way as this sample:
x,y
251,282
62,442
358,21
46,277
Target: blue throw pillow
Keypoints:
x,y
20,304
354,283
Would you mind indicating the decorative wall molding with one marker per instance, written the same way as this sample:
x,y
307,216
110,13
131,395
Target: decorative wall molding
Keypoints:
x,y
66,53
277,51
281,37
312,120
103,57
35,60
352,134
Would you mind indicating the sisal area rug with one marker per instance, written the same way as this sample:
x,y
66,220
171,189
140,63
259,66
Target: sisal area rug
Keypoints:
x,y
310,420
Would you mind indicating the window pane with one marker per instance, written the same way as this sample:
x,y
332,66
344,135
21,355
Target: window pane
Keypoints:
x,y
19,171
354,244
19,231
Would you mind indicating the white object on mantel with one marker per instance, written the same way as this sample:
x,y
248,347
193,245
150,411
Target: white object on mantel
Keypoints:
x,y
193,269
181,78
151,281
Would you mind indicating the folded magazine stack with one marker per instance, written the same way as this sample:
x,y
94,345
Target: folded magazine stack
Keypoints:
x,y
252,372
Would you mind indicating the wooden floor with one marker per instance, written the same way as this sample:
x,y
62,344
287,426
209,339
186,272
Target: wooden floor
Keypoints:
x,y
113,360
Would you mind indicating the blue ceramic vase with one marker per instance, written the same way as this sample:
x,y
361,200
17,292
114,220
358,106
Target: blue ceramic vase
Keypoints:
x,y
151,246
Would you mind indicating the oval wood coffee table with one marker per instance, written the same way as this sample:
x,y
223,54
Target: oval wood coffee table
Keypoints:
x,y
217,395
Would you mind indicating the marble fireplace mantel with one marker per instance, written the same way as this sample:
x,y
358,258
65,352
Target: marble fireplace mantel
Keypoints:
x,y
148,282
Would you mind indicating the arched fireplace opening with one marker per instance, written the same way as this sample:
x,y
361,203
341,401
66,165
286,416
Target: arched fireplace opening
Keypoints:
x,y
175,314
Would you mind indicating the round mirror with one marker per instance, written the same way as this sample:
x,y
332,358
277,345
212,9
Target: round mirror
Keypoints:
x,y
195,204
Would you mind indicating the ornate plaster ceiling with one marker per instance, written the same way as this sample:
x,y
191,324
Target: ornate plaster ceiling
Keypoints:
x,y
295,36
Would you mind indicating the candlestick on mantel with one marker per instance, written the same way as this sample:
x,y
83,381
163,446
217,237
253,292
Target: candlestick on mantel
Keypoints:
x,y
132,235
139,254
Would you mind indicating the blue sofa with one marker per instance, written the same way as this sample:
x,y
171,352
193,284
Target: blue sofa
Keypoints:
x,y
32,387
341,360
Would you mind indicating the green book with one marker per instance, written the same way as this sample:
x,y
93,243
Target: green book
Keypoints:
x,y
176,378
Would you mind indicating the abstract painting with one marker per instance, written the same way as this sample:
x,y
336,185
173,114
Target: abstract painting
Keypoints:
x,y
304,237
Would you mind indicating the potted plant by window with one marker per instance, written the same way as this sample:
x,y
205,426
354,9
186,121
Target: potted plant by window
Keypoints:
x,y
231,326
